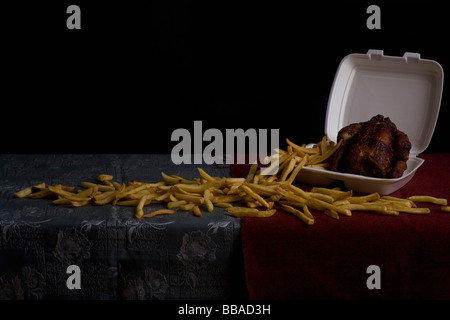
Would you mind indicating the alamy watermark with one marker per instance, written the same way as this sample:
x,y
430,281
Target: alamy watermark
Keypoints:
x,y
238,146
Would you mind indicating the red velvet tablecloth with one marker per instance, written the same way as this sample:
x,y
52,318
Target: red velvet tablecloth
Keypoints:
x,y
286,259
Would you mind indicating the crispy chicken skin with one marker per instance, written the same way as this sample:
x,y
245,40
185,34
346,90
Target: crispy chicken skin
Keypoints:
x,y
375,148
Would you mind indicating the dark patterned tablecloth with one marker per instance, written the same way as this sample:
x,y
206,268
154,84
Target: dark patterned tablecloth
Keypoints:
x,y
177,256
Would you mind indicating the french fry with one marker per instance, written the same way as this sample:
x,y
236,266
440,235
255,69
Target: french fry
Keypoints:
x,y
130,190
301,149
265,190
158,212
175,204
101,187
251,172
104,177
303,217
288,168
320,158
27,191
130,203
197,212
183,180
307,212
205,176
323,145
364,207
331,213
296,190
68,195
140,207
61,201
336,194
169,179
411,210
362,199
198,200
80,203
322,205
208,203
297,169
226,198
105,195
223,204
45,193
289,195
187,206
241,212
406,202
321,196
255,196
429,199
194,188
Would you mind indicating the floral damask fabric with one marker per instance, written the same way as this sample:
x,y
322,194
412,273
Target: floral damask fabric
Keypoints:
x,y
177,256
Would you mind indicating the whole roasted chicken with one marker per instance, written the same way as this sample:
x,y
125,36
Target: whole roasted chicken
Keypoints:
x,y
375,148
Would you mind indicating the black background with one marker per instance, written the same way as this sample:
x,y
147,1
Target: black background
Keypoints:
x,y
137,70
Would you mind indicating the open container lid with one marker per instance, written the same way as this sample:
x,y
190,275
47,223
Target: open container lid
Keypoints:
x,y
406,89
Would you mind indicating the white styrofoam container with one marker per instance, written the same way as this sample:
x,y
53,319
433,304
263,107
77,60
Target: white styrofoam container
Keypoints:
x,y
406,89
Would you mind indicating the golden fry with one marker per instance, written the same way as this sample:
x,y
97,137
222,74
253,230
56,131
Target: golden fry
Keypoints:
x,y
287,169
140,207
361,199
321,196
411,210
336,194
27,191
204,175
169,179
198,200
130,203
175,204
405,202
303,217
105,177
297,170
197,212
300,149
101,187
331,213
322,205
187,206
252,172
433,200
158,212
256,196
45,193
223,204
79,203
194,188
241,212
320,158
68,195
208,203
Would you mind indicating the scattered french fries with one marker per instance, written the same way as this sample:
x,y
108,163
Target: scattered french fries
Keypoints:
x,y
257,195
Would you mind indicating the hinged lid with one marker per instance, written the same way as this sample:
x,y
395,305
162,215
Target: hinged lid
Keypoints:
x,y
406,89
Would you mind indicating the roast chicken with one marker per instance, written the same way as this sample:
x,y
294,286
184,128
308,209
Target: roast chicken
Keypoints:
x,y
375,148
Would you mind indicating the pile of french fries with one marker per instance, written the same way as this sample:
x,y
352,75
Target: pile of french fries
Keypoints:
x,y
256,195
